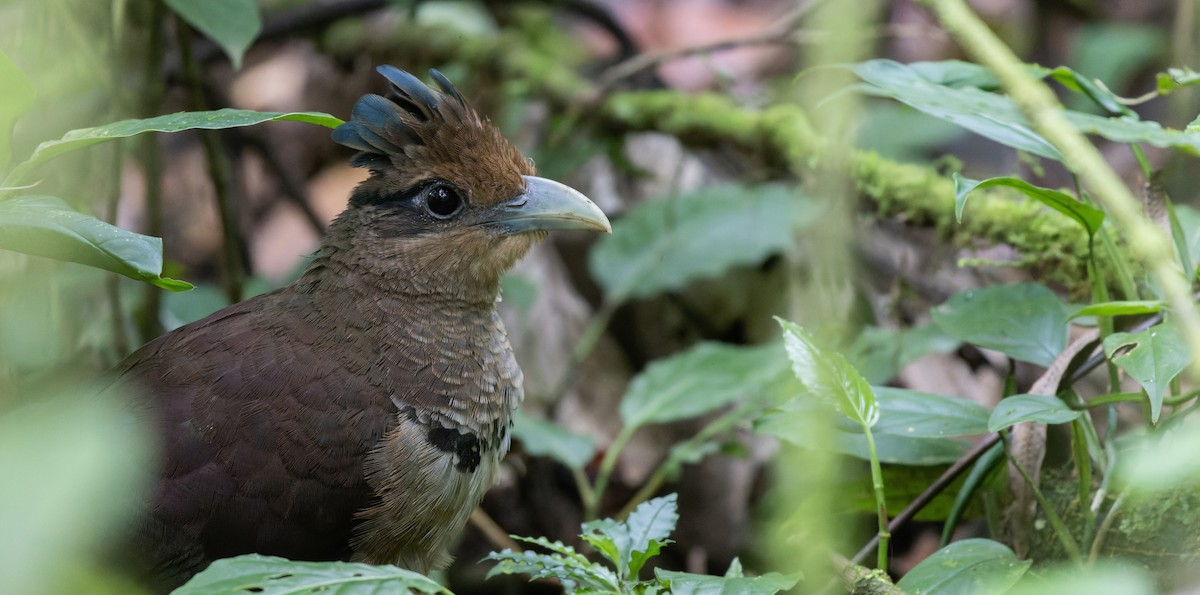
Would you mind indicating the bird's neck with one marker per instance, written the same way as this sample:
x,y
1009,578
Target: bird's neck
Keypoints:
x,y
341,275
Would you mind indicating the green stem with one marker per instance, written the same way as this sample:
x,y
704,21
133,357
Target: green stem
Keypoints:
x,y
665,468
587,342
607,464
1038,103
880,501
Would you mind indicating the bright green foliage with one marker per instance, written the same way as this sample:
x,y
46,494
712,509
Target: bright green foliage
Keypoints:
x,y
1024,321
998,118
233,24
967,567
626,547
47,226
178,122
664,245
1175,79
1120,308
829,377
269,575
1159,354
914,428
1037,408
1088,216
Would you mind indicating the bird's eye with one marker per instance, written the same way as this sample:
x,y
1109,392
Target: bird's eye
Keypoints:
x,y
443,201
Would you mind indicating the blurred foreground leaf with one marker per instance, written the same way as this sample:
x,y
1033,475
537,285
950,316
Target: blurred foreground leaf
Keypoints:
x,y
72,466
17,97
47,226
1105,576
269,575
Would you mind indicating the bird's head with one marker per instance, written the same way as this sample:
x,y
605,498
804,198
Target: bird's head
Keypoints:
x,y
450,204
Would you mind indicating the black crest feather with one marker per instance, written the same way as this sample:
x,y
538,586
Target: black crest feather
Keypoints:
x,y
382,127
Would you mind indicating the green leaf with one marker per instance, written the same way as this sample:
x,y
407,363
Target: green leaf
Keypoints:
x,y
564,563
16,99
650,524
629,544
1093,90
987,114
1175,79
1104,576
699,380
73,465
278,576
210,120
1025,321
46,226
998,117
966,567
924,415
902,448
1158,356
233,24
1120,308
956,74
1037,408
544,438
828,376
664,245
686,583
1088,216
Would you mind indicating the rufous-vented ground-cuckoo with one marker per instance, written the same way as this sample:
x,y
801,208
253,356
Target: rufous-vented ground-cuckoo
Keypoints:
x,y
360,412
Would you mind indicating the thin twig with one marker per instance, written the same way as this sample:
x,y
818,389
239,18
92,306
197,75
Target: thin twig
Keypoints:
x,y
147,317
783,34
492,530
292,185
1105,526
218,171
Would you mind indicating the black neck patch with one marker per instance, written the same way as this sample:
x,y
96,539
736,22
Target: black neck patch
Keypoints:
x,y
463,445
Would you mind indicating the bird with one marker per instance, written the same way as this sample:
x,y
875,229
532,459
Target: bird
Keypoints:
x,y
359,413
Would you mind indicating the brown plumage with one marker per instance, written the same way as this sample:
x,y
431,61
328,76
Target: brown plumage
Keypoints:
x,y
360,412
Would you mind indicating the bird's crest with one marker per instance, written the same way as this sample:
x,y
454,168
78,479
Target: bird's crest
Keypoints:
x,y
418,133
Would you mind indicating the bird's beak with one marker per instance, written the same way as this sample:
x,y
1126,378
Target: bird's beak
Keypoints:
x,y
547,205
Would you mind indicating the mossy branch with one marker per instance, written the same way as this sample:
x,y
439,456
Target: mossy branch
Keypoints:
x,y
779,136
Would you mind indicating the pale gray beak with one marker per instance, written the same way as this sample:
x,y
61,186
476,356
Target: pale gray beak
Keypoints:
x,y
547,205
